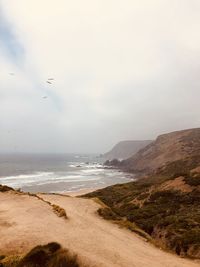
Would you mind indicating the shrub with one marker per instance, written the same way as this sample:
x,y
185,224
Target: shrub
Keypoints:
x,y
10,261
59,211
193,181
5,188
63,258
107,214
50,255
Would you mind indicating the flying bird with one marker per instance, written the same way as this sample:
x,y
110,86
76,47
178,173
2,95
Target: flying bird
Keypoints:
x,y
44,97
11,73
50,80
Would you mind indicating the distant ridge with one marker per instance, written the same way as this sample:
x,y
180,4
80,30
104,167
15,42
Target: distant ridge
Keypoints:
x,y
126,149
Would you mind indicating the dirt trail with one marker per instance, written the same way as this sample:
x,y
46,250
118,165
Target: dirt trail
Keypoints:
x,y
26,221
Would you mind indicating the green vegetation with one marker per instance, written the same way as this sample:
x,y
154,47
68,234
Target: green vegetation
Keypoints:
x,y
170,216
180,167
107,214
50,255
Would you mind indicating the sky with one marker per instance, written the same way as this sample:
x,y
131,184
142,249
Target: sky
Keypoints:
x,y
122,70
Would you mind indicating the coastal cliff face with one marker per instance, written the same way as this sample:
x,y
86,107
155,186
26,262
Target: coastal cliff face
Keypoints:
x,y
126,149
165,149
165,203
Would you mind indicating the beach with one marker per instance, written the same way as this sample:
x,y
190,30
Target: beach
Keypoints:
x,y
82,192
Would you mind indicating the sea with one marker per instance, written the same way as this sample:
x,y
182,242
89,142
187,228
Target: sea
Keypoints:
x,y
58,173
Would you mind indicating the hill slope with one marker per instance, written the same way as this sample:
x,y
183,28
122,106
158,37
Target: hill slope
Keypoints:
x,y
27,221
126,149
166,148
165,205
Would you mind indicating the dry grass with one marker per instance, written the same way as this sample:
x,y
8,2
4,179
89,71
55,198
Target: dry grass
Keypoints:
x,y
59,211
5,188
10,261
50,255
133,228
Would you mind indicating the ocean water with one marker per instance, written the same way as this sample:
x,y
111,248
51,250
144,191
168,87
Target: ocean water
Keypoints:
x,y
57,173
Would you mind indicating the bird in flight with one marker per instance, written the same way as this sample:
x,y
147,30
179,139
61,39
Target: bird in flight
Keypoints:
x,y
11,73
49,82
44,97
51,79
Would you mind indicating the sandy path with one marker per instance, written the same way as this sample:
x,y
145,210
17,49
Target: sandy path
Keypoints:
x,y
26,221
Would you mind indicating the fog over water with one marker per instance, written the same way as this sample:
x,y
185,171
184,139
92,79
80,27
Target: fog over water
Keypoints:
x,y
79,76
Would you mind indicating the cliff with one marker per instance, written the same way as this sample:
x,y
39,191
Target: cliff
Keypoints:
x,y
165,149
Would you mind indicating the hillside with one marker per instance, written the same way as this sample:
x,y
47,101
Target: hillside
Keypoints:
x,y
126,149
165,203
28,220
166,206
166,148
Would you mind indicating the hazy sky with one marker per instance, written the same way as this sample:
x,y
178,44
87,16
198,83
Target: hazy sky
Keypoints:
x,y
123,70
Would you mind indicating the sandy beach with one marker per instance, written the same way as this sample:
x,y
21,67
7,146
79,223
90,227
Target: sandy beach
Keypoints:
x,y
26,221
81,192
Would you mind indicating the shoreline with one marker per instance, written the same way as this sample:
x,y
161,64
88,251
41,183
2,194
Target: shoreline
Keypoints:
x,y
82,192
72,187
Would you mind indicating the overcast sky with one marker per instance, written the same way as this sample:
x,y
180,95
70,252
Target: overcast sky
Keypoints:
x,y
123,70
